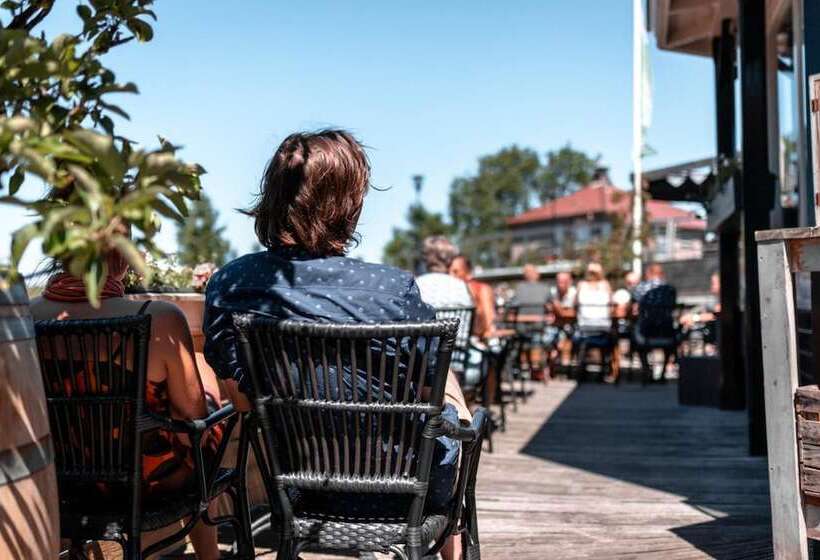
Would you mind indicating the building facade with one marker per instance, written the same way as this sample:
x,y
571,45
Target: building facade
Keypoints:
x,y
567,226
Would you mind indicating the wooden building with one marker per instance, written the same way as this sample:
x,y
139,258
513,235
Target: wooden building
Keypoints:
x,y
763,52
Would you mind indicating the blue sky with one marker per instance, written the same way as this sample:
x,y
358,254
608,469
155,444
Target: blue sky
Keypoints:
x,y
428,86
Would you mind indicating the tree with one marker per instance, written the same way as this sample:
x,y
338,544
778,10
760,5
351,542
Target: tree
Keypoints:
x,y
565,171
480,205
56,125
404,248
200,238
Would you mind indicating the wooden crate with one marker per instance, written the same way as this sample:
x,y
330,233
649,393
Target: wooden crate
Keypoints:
x,y
807,412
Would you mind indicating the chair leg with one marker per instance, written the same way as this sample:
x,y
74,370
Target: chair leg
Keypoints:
x,y
646,367
581,367
287,550
244,534
404,554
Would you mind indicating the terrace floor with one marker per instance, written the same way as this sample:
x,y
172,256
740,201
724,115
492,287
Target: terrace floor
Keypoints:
x,y
596,471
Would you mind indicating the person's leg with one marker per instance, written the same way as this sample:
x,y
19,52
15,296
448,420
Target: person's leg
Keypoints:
x,y
203,538
615,366
455,396
452,548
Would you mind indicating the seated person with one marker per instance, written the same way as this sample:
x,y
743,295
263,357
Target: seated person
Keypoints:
x,y
562,298
531,299
531,295
312,194
655,326
623,297
482,296
175,386
438,288
594,313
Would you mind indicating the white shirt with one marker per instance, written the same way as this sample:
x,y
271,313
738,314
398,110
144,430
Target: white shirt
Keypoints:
x,y
593,306
442,290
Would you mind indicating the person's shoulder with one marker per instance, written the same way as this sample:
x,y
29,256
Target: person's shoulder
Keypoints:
x,y
376,270
238,268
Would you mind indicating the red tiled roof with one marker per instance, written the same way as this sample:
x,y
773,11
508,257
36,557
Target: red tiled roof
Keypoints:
x,y
603,198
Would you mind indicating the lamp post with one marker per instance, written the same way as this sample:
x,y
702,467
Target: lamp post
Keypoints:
x,y
418,262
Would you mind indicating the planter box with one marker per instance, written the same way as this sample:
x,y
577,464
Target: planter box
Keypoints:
x,y
699,381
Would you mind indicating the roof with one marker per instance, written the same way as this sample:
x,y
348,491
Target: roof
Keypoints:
x,y
603,198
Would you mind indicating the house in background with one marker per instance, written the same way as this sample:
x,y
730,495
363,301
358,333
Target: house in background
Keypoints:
x,y
566,226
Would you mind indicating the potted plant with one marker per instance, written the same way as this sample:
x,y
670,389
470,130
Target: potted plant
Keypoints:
x,y
104,192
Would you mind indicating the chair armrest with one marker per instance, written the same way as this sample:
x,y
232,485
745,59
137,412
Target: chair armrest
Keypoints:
x,y
198,425
474,432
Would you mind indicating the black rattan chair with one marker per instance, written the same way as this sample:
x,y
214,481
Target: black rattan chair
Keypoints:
x,y
350,412
460,358
656,328
94,374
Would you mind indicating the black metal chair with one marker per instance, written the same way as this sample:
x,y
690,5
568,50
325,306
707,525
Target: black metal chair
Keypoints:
x,y
656,328
94,374
350,412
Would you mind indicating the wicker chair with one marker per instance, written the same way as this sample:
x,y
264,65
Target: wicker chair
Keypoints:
x,y
460,358
94,374
372,441
656,328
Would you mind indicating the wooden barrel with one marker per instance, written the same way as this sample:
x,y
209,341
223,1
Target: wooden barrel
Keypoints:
x,y
29,507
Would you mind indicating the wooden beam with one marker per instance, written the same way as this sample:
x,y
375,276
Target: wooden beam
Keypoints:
x,y
780,378
757,196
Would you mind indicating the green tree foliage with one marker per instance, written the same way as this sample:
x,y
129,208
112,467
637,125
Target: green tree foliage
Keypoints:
x,y
480,204
200,238
404,248
566,170
57,125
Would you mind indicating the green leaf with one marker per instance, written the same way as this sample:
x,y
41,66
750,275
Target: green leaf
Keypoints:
x,y
126,248
16,180
163,208
20,240
93,279
84,12
141,29
101,146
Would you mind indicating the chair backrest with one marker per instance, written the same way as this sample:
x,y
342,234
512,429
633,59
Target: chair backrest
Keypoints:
x,y
461,348
348,407
656,312
94,375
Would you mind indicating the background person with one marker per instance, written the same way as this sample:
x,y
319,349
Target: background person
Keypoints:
x,y
438,288
482,295
562,298
594,310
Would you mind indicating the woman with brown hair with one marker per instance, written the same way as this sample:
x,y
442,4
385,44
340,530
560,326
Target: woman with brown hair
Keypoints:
x,y
311,196
176,387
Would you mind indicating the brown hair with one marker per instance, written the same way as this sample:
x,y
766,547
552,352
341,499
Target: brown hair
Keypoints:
x,y
312,193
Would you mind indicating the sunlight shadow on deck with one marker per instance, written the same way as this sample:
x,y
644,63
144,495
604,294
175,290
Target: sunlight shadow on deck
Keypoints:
x,y
642,437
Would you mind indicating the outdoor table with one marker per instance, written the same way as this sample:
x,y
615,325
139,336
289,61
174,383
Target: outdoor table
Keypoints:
x,y
781,253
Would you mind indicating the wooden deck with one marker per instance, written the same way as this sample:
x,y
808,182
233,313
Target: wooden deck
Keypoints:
x,y
595,471
603,472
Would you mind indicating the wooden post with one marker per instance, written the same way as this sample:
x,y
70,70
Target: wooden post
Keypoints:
x,y
732,375
780,381
757,197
